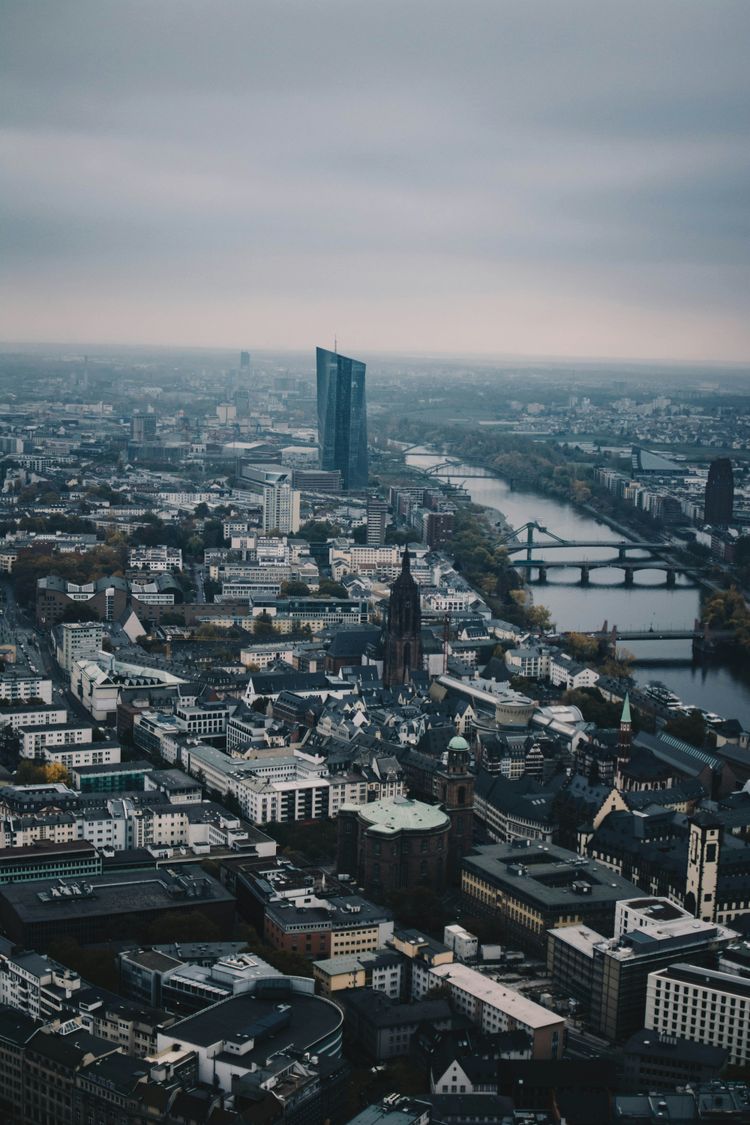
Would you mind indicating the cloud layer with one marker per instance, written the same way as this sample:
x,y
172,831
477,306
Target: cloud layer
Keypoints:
x,y
494,176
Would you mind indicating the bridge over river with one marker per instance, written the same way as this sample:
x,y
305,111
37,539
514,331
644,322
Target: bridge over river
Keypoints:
x,y
661,555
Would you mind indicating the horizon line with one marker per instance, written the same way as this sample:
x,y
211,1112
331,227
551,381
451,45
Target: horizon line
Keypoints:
x,y
493,357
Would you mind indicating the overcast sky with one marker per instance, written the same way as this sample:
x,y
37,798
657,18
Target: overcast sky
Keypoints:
x,y
536,177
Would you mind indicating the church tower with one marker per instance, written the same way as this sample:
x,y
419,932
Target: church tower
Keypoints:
x,y
704,850
402,640
455,790
624,742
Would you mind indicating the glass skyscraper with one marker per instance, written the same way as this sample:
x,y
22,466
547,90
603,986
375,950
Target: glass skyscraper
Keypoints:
x,y
342,417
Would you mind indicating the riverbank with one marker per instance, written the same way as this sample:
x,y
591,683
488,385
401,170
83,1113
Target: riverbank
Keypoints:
x,y
721,687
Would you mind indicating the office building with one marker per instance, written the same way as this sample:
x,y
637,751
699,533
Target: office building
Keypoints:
x,y
107,907
79,640
280,509
609,976
317,480
143,427
377,517
236,1037
342,417
244,361
702,1005
530,888
661,1062
719,500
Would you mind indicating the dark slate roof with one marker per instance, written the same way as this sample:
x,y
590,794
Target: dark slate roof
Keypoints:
x,y
353,641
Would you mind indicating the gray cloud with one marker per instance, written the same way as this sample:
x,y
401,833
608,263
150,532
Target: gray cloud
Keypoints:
x,y
493,176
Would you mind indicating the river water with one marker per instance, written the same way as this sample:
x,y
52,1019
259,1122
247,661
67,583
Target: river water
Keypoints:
x,y
722,688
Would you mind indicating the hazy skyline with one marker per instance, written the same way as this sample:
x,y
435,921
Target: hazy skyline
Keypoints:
x,y
529,177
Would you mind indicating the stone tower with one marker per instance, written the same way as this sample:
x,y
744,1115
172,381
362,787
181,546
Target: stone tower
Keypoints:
x,y
704,849
455,789
402,640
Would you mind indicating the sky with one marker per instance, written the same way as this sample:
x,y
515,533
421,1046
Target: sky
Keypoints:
x,y
498,177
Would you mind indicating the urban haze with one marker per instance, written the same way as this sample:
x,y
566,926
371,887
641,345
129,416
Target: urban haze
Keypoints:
x,y
374,563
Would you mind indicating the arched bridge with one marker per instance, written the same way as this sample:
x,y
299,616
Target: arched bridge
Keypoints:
x,y
660,555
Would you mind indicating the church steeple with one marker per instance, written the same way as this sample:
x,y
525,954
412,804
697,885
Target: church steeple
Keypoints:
x,y
624,741
402,640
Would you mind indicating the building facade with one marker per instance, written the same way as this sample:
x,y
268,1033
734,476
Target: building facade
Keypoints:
x,y
342,417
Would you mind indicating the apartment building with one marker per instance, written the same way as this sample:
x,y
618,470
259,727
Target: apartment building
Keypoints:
x,y
35,740
494,1008
18,688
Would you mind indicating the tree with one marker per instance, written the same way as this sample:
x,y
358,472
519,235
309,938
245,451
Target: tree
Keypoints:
x,y
330,589
183,925
418,907
294,589
319,531
263,626
96,965
690,728
582,647
41,773
538,617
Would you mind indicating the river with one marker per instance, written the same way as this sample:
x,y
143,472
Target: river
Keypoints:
x,y
722,688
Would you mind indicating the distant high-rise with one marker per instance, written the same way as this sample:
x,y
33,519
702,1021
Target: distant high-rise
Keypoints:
x,y
280,509
244,361
377,513
342,417
719,502
143,427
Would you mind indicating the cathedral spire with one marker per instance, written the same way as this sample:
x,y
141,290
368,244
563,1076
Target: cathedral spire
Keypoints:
x,y
402,638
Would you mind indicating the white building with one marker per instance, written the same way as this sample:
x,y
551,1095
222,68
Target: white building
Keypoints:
x,y
24,688
35,739
464,945
493,1007
155,559
566,672
33,716
281,507
79,640
690,1002
531,661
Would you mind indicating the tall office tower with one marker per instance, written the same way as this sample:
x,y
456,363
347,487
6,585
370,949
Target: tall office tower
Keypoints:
x,y
719,501
244,361
342,417
402,639
280,509
242,402
143,427
377,512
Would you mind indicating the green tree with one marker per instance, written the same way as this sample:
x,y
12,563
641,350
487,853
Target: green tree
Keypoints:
x,y
263,627
690,728
329,589
293,588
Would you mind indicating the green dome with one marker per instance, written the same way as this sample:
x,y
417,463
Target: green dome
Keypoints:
x,y
458,743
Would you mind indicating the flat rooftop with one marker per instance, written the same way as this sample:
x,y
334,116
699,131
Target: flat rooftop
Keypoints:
x,y
707,978
546,875
306,1021
497,995
117,892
